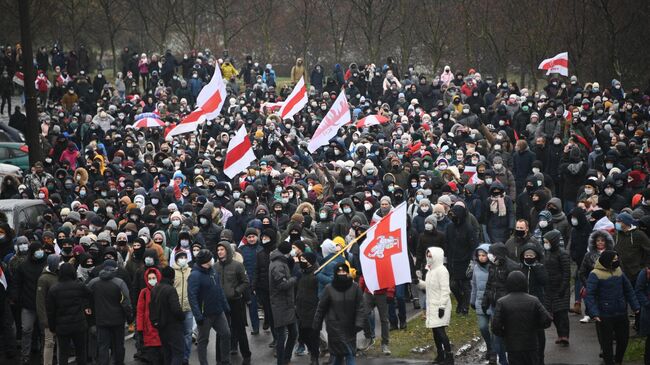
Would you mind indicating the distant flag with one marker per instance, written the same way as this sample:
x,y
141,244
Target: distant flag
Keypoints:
x,y
558,64
295,101
19,79
240,154
337,116
371,120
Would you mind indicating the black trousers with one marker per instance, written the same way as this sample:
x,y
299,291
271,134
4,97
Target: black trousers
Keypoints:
x,y
110,345
561,321
311,338
462,290
614,328
523,357
265,299
173,344
237,319
78,340
441,340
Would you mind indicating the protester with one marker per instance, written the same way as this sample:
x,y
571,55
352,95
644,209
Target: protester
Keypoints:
x,y
167,316
474,159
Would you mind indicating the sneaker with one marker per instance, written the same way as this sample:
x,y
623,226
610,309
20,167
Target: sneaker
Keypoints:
x,y
301,351
255,332
585,319
385,350
272,344
366,344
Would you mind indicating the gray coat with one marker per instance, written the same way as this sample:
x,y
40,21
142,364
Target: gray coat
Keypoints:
x,y
281,286
232,274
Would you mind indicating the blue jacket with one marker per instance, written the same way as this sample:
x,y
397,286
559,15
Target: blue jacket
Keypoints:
x,y
479,280
608,293
205,294
249,253
326,274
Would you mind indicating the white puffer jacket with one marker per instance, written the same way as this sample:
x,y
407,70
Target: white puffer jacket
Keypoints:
x,y
436,285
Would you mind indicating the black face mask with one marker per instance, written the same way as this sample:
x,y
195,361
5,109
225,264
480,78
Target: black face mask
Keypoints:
x,y
615,265
341,282
520,234
530,261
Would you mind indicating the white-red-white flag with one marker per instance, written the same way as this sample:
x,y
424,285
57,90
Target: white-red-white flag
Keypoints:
x,y
295,101
189,124
212,96
3,279
19,79
558,64
384,252
337,116
240,154
371,120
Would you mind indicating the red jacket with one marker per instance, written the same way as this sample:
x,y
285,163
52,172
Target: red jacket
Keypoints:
x,y
390,292
143,323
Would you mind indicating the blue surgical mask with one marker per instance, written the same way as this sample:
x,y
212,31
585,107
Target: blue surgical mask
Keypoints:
x,y
618,226
38,254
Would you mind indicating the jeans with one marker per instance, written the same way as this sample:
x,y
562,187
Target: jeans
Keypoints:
x,y
28,322
284,344
484,328
188,325
500,349
110,339
252,313
79,341
219,323
380,301
338,359
238,326
613,328
398,303
48,346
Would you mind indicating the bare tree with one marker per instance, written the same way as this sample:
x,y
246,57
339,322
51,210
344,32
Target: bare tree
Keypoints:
x,y
233,17
339,19
113,11
435,30
157,19
374,15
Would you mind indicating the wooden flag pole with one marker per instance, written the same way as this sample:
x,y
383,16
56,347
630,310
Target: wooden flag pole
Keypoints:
x,y
342,250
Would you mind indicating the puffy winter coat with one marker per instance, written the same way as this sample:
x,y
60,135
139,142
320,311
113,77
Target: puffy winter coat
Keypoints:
x,y
143,321
497,275
633,248
232,274
590,259
65,309
181,277
281,285
438,294
205,293
609,293
479,280
558,266
307,297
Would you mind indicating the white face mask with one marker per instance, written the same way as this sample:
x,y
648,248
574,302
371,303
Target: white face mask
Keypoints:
x,y
41,196
609,191
182,263
176,223
498,166
543,224
428,227
491,257
589,191
347,210
185,243
574,221
239,210
367,206
535,170
153,282
488,181
547,246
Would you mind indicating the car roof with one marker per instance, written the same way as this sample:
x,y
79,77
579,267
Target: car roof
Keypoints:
x,y
11,144
9,204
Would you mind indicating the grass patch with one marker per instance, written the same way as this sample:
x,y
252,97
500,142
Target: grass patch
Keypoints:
x,y
460,331
635,349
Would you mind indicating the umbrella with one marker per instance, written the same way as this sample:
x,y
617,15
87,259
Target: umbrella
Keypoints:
x,y
148,123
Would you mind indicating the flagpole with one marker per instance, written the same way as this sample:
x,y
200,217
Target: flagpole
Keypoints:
x,y
342,250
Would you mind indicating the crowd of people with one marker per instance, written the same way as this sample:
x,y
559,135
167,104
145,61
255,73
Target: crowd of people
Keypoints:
x,y
518,201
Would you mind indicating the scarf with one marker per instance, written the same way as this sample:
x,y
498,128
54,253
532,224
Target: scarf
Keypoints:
x,y
498,206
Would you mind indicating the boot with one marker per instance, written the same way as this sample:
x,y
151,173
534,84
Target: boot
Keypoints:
x,y
314,361
416,303
449,358
440,359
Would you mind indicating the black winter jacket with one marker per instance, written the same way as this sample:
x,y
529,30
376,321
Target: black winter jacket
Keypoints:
x,y
307,298
497,274
66,302
111,300
165,310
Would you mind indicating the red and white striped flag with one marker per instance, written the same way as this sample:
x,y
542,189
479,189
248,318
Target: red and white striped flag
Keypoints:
x,y
240,154
3,278
384,253
295,101
209,104
371,120
19,79
337,116
558,64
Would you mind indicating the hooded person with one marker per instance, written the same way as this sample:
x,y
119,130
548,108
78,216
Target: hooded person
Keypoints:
x,y
557,293
209,232
46,281
463,241
260,282
343,222
430,237
150,260
499,213
518,318
326,272
281,286
479,281
438,302
608,295
157,242
544,226
341,308
324,224
559,219
150,337
632,246
239,220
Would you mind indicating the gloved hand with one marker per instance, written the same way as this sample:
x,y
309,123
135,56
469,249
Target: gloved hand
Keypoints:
x,y
441,312
199,322
484,308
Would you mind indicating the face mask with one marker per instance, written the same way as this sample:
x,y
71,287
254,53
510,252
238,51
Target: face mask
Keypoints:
x,y
547,246
203,221
185,243
367,206
236,195
589,191
498,166
23,247
557,141
419,197
574,221
428,227
322,215
39,254
530,261
618,226
347,210
176,223
520,233
239,210
182,263
535,170
543,224
249,201
293,252
609,191
109,210
82,193
152,282
491,258
148,261
615,265
488,181
439,216
41,196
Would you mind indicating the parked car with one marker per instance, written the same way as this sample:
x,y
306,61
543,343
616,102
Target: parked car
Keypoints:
x,y
22,213
10,134
14,153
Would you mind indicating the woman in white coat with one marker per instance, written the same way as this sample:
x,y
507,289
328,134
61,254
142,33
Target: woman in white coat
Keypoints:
x,y
438,299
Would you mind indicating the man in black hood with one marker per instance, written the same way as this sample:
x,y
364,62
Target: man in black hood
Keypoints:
x,y
517,318
24,293
460,250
